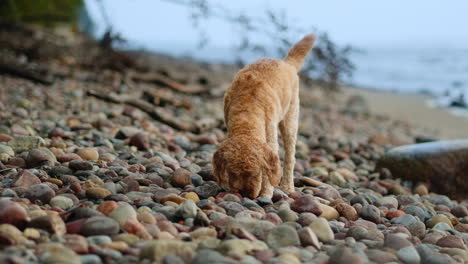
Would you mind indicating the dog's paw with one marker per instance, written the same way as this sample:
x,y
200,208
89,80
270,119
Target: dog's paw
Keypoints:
x,y
267,192
287,187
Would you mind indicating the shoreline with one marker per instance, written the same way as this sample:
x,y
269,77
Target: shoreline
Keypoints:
x,y
414,108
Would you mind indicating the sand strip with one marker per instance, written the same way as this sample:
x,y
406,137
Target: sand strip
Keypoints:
x,y
414,109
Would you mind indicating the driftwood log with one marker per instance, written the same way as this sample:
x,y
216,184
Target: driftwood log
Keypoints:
x,y
24,71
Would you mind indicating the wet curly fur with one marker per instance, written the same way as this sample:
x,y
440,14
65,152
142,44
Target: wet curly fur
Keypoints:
x,y
263,97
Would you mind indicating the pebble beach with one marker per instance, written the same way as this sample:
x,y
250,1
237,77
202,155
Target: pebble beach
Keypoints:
x,y
87,180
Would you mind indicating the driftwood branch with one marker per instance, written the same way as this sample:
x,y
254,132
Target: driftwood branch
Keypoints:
x,y
162,97
168,82
157,113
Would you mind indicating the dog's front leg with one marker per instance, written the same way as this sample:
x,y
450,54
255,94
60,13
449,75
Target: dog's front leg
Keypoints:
x,y
288,128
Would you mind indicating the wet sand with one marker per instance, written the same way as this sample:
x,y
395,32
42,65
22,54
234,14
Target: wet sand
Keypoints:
x,y
414,109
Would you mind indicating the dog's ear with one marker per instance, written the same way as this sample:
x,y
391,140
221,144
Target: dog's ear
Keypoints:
x,y
219,168
272,167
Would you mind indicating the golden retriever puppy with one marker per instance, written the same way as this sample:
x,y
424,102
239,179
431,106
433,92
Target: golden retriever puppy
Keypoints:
x,y
263,97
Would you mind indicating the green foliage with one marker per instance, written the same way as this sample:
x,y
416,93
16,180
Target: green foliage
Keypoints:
x,y
42,12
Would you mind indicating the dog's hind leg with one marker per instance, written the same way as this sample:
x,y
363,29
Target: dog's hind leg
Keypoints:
x,y
288,127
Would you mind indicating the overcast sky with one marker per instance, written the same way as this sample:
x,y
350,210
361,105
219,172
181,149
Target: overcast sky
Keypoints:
x,y
158,24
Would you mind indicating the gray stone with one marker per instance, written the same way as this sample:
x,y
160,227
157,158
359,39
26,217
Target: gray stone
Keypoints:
x,y
208,189
396,242
156,250
210,256
100,225
99,240
429,256
61,202
90,259
322,229
4,149
440,164
371,213
388,201
188,209
287,215
282,236
380,256
409,255
344,255
422,213
232,208
24,143
405,220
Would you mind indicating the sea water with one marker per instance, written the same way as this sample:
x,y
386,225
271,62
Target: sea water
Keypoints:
x,y
442,72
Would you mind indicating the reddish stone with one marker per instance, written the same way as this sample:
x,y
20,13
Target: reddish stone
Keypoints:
x,y
12,213
16,162
451,241
394,214
132,226
40,192
172,198
77,243
5,138
155,179
107,207
400,229
168,227
57,132
181,178
140,140
347,211
362,223
52,223
462,228
294,195
316,159
26,179
340,155
242,233
274,218
222,194
75,227
306,203
67,157
264,255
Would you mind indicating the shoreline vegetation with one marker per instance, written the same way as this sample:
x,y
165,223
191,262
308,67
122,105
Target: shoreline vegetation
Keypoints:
x,y
105,157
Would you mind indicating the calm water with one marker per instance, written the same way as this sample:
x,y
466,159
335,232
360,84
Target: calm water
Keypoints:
x,y
436,71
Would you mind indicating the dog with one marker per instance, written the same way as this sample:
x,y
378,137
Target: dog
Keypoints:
x,y
263,97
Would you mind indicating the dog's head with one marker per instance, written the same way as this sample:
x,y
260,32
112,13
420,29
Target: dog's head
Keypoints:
x,y
241,164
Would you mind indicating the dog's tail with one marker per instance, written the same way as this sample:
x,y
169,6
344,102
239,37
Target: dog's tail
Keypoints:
x,y
298,52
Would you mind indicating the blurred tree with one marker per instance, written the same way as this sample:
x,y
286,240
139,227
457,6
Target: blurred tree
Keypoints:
x,y
42,12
